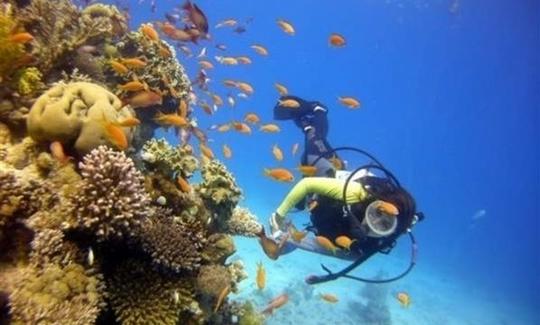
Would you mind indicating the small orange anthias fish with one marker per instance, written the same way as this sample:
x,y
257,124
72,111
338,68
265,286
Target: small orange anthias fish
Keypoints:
x,y
276,303
269,128
128,122
170,120
282,90
261,50
326,244
289,103
296,234
349,102
241,127
278,154
183,184
336,40
221,297
387,208
307,170
404,299
57,151
271,248
118,67
328,297
115,134
261,276
145,98
279,174
21,38
344,242
133,86
149,32
252,118
286,26
245,87
227,152
207,152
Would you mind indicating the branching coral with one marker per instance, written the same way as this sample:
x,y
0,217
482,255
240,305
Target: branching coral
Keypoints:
x,y
219,192
111,200
243,223
173,243
170,161
11,196
68,294
59,28
49,246
140,295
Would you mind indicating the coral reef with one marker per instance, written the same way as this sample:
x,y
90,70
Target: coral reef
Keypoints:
x,y
219,192
243,223
11,53
172,242
111,200
139,295
76,113
220,246
28,81
55,293
249,315
212,279
158,154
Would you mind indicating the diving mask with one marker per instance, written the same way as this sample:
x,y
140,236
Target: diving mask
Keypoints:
x,y
380,219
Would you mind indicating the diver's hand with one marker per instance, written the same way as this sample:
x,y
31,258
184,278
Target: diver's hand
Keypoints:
x,y
277,223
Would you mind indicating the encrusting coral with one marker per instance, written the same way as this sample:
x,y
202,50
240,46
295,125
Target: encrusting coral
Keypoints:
x,y
172,242
243,223
139,295
46,296
76,113
111,201
170,161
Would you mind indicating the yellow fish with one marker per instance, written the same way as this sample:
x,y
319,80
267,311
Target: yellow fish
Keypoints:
x,y
261,50
286,26
261,276
206,152
227,152
326,244
349,102
404,299
344,242
296,234
282,90
329,297
279,174
278,154
270,128
289,103
307,170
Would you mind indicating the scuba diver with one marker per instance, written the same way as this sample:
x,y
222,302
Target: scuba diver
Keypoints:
x,y
353,214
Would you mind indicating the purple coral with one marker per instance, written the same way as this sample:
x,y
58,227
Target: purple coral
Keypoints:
x,y
112,200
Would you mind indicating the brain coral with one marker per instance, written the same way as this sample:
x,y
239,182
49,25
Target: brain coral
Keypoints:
x,y
173,243
140,295
55,293
111,199
75,113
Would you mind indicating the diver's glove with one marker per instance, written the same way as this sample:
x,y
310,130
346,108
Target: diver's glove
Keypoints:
x,y
277,222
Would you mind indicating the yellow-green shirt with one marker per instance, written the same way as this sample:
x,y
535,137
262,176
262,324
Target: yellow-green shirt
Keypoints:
x,y
325,186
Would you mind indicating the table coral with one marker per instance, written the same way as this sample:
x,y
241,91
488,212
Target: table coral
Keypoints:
x,y
75,113
111,201
140,295
69,294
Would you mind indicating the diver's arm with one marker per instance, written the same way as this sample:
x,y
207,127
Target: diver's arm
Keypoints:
x,y
329,187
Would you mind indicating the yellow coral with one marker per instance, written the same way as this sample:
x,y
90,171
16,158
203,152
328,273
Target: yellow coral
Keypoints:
x,y
28,81
10,52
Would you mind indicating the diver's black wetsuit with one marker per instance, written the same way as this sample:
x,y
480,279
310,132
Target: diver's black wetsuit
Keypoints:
x,y
311,118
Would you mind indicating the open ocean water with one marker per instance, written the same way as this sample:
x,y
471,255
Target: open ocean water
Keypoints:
x,y
450,94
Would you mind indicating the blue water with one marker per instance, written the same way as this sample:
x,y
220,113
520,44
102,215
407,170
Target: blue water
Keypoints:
x,y
451,99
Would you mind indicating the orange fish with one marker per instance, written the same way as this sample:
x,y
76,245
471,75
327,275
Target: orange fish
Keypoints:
x,y
164,51
307,170
206,108
242,127
276,303
270,128
229,83
206,64
336,162
134,63
148,31
387,208
221,297
245,87
199,134
21,38
183,184
289,103
328,297
226,22
216,99
243,60
326,244
128,122
118,67
344,242
207,152
349,102
57,151
115,134
404,299
133,86
296,234
227,60
224,127
279,174
227,152
294,148
145,98
282,90
286,26
170,119
261,50
252,118
261,276
278,154
336,40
